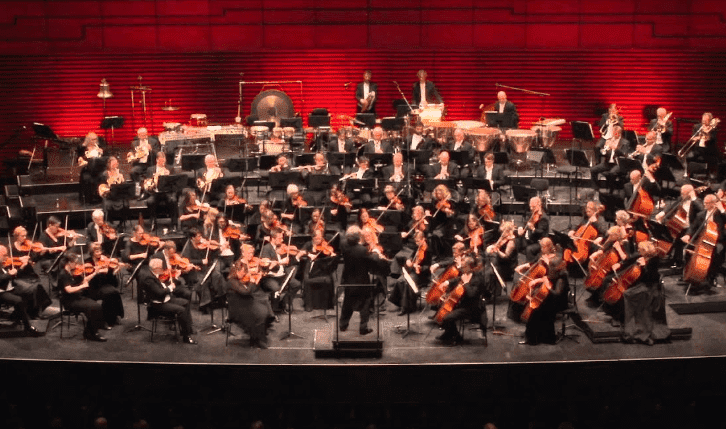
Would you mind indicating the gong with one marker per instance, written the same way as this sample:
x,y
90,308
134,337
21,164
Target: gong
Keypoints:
x,y
271,105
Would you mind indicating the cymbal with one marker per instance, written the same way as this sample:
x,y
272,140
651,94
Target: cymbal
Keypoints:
x,y
169,108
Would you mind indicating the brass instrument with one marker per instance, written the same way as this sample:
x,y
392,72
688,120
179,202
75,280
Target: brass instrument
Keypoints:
x,y
152,183
612,120
204,183
368,102
139,153
105,188
660,127
696,138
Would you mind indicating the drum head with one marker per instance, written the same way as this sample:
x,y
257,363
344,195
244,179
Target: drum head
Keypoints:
x,y
271,105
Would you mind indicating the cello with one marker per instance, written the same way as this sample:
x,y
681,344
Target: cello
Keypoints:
x,y
601,266
438,289
522,290
450,302
584,235
621,282
697,267
641,203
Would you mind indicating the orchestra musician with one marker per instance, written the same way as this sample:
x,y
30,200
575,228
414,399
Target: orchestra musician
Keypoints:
x,y
663,128
157,199
714,212
365,94
607,122
613,148
166,299
491,172
536,228
443,222
98,231
341,206
362,171
283,164
170,261
425,92
231,199
418,223
112,205
249,306
645,181
396,172
190,210
341,143
706,150
291,209
482,208
417,266
389,200
417,140
470,307
615,248
208,174
55,240
504,106
540,327
10,295
104,285
501,256
317,223
89,179
681,214
276,251
141,245
584,238
378,145
444,169
650,148
144,151
74,284
317,284
459,143
203,252
358,264
472,234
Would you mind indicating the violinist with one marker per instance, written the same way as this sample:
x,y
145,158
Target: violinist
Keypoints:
x,y
472,234
366,222
231,198
418,223
55,240
282,165
491,172
341,206
681,213
282,263
317,284
317,223
190,211
663,128
483,209
389,200
444,169
207,175
229,237
156,199
397,172
548,295
417,267
98,231
470,306
104,287
501,256
607,124
27,282
89,179
291,209
170,261
74,285
201,253
144,150
10,295
585,234
141,245
706,149
537,227
249,306
613,148
166,299
713,212
443,222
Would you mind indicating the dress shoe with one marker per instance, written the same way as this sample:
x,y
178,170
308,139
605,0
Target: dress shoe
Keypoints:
x,y
365,331
262,344
31,331
343,328
94,337
444,337
188,340
106,327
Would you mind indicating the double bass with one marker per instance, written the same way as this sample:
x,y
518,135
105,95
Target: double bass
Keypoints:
x,y
697,267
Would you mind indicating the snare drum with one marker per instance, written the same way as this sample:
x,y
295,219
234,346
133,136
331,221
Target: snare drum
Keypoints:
x,y
484,138
521,140
548,134
198,120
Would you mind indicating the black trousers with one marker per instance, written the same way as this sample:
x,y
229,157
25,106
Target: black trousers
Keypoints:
x,y
178,307
91,308
19,303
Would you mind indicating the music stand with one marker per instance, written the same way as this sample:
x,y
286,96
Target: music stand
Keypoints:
x,y
402,110
44,132
295,122
420,157
612,204
241,164
393,124
172,184
319,182
523,193
269,124
430,184
409,283
305,159
501,158
367,119
478,183
319,121
280,180
627,165
577,159
387,217
112,123
192,162
289,333
267,161
360,185
461,157
219,186
582,131
380,159
341,159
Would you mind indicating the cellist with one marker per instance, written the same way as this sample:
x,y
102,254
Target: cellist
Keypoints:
x,y
679,216
536,228
470,306
643,188
589,229
713,212
613,250
417,267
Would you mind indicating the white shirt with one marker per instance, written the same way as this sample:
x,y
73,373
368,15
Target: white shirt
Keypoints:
x,y
415,140
423,93
501,107
167,297
10,282
366,89
341,145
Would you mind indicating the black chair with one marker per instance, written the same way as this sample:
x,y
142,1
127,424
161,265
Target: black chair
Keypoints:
x,y
153,315
64,312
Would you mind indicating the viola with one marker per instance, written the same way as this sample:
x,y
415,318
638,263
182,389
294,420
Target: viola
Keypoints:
x,y
232,232
438,289
110,263
522,289
169,274
235,200
324,248
476,238
536,216
298,201
182,263
372,224
31,246
15,262
150,240
85,269
339,198
288,250
108,231
198,207
444,205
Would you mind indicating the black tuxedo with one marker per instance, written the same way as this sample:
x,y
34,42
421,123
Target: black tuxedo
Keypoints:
x,y
153,142
432,94
666,135
157,293
425,144
386,147
698,226
452,168
497,175
510,112
530,240
14,298
358,264
622,149
708,154
372,87
389,170
604,121
333,145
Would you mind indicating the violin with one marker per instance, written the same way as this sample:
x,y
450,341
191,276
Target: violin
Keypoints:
x,y
339,198
233,232
486,212
235,200
15,262
150,240
325,248
110,263
169,274
31,246
372,224
298,201
182,263
197,206
444,205
85,269
108,231
287,249
536,216
419,257
476,238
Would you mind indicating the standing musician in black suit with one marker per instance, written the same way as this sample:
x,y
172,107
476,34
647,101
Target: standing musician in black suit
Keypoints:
x,y
425,92
357,268
10,295
714,212
163,299
366,93
378,145
504,106
491,172
663,128
341,142
608,120
537,227
470,307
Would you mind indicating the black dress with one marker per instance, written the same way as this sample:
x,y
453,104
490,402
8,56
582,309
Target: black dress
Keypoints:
x,y
249,307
